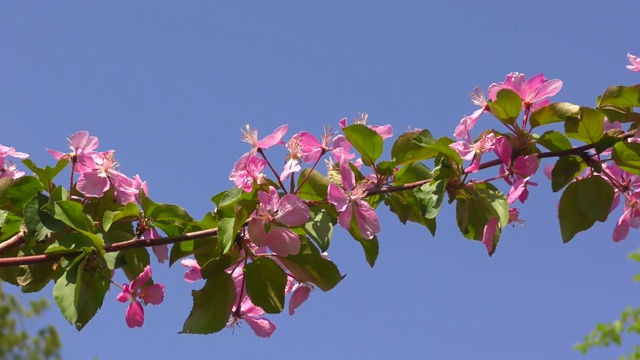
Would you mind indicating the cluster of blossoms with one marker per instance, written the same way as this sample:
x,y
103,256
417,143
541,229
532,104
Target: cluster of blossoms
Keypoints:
x,y
98,170
7,168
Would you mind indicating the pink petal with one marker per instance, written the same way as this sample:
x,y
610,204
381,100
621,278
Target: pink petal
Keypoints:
x,y
142,279
273,139
125,295
134,315
283,241
344,217
299,296
526,165
367,219
193,273
257,234
547,89
153,294
292,211
261,326
503,150
385,131
488,233
348,177
337,197
92,184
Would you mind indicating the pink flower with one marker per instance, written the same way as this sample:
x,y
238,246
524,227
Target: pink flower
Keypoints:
x,y
251,136
252,314
247,171
193,273
289,211
340,148
630,217
473,152
82,150
533,92
635,62
468,122
94,182
10,170
149,294
349,202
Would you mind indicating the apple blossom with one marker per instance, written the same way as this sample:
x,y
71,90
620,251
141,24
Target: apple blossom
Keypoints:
x,y
193,273
149,294
251,136
534,92
248,171
349,201
288,210
635,62
252,314
468,122
473,152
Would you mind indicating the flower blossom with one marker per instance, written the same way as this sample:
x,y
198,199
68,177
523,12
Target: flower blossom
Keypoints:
x,y
160,251
10,170
299,294
251,136
149,294
534,92
635,62
248,171
288,210
350,202
473,152
468,122
516,173
252,314
302,147
82,151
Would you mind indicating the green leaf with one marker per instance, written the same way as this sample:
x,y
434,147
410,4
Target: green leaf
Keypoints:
x,y
627,156
211,305
319,227
411,147
410,173
21,191
596,197
214,266
314,187
40,223
406,206
371,248
554,141
368,142
130,211
170,212
476,205
566,169
11,225
64,292
621,96
47,174
70,212
430,197
507,106
265,281
92,286
135,260
588,127
609,139
309,266
573,219
386,168
553,113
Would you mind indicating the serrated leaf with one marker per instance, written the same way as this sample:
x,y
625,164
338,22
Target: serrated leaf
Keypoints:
x,y
47,174
411,146
319,227
265,281
410,173
596,197
211,305
507,106
407,208
571,215
554,141
627,156
588,127
622,96
309,266
553,113
130,210
366,141
170,212
566,169
314,187
39,223
21,191
70,212
430,197
92,286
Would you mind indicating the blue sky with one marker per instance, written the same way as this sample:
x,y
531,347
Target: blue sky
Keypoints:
x,y
169,85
